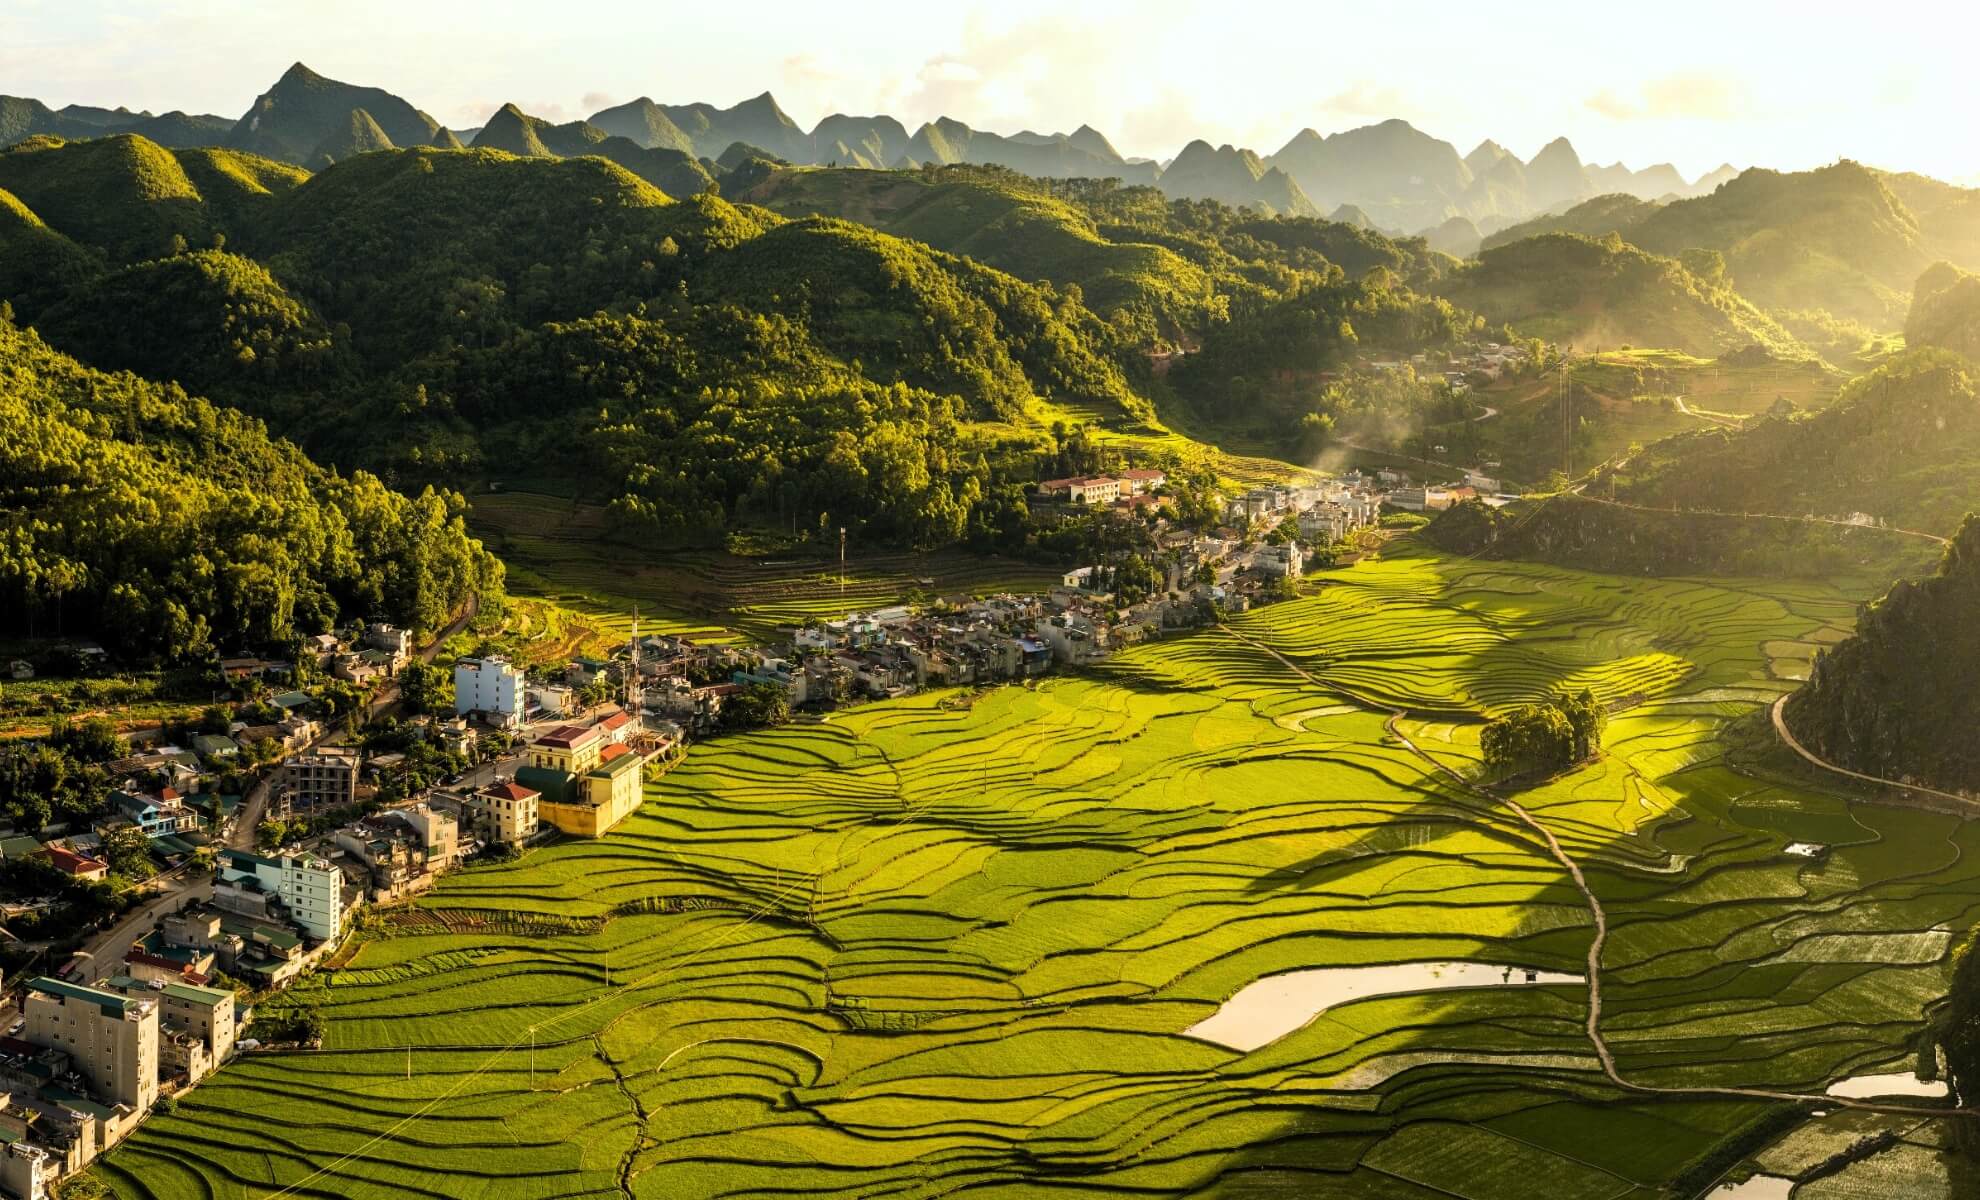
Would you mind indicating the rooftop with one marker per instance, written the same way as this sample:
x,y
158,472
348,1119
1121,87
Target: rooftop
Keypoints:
x,y
508,791
110,1002
568,737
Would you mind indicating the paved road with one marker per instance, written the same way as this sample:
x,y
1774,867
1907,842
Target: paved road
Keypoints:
x,y
103,955
1787,737
248,820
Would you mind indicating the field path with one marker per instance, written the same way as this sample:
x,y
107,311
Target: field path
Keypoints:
x,y
1600,918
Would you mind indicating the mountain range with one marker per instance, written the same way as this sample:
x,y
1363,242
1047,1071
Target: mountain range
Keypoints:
x,y
1390,176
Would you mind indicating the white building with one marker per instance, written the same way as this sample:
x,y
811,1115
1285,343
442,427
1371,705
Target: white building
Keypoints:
x,y
491,687
310,888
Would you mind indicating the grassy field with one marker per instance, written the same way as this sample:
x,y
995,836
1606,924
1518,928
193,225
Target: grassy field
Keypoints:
x,y
949,944
557,555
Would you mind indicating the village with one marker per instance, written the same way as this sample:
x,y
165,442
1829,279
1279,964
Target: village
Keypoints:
x,y
257,886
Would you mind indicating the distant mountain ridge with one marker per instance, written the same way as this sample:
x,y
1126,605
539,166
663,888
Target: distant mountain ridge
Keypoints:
x,y
1399,178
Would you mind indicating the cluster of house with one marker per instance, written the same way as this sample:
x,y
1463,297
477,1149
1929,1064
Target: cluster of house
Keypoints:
x,y
578,779
1462,367
1436,497
1326,511
1133,488
364,654
88,1062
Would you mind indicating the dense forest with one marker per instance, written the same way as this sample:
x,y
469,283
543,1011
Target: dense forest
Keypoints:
x,y
444,317
171,528
1896,700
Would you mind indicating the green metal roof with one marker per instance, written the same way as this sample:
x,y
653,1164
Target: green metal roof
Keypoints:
x,y
18,847
617,767
110,1002
71,1100
194,994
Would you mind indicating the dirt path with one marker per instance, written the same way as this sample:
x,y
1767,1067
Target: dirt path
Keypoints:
x,y
1600,919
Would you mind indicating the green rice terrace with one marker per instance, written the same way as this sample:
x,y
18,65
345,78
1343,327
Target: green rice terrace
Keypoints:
x,y
977,943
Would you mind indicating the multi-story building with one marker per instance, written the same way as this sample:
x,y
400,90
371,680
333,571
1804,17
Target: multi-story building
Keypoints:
x,y
392,641
590,804
508,812
310,889
570,748
111,1039
490,688
326,779
438,832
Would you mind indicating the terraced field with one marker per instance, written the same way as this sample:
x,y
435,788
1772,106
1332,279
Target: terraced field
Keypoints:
x,y
555,550
949,945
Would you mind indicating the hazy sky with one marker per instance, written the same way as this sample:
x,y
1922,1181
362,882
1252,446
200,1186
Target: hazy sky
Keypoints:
x,y
1696,84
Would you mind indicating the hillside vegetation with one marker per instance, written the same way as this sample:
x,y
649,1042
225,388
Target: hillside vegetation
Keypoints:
x,y
1945,311
446,315
1896,700
1590,293
172,529
1900,445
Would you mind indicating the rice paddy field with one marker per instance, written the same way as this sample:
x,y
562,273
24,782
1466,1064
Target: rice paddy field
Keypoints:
x,y
952,945
556,552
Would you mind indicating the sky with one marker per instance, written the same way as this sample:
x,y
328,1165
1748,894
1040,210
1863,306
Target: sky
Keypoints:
x,y
1749,82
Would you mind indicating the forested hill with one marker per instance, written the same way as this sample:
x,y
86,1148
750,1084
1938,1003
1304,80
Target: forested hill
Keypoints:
x,y
1896,700
170,528
1605,292
1900,445
441,316
1945,311
455,316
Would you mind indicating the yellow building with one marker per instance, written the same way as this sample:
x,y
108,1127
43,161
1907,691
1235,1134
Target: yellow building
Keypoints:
x,y
510,812
590,804
571,748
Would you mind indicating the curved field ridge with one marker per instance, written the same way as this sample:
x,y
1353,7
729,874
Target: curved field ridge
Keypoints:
x,y
927,949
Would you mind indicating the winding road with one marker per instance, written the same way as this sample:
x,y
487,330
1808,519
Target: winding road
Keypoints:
x,y
1779,714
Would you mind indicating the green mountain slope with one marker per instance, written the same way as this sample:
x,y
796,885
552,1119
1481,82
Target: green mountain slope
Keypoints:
x,y
123,195
291,120
516,132
1945,311
358,135
645,124
1901,444
1235,177
168,527
1011,225
38,266
1599,217
1896,700
215,322
1587,292
1834,239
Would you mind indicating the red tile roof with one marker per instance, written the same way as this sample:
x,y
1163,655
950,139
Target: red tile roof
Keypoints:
x,y
71,863
509,791
613,751
618,720
568,737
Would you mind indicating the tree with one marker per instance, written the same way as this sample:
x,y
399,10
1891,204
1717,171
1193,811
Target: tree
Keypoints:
x,y
271,833
426,688
128,850
1545,737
